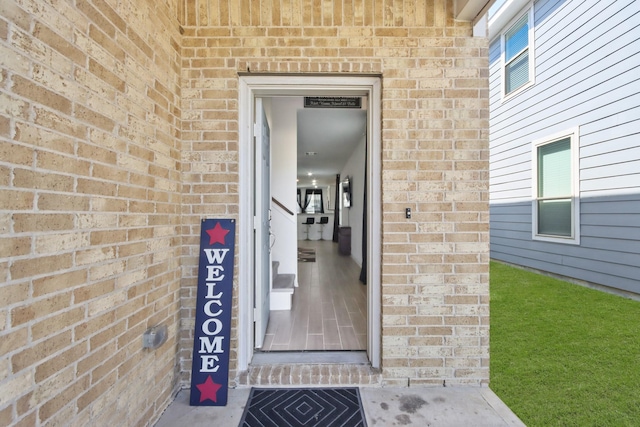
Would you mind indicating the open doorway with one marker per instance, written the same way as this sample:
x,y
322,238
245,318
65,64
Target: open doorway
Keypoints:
x,y
327,309
268,88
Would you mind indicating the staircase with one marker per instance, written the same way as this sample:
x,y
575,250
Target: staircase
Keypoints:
x,y
282,288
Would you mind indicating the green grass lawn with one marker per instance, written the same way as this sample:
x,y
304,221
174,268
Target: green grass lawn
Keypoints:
x,y
562,354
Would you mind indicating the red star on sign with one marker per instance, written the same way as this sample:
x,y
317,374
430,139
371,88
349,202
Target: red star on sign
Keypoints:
x,y
208,390
217,234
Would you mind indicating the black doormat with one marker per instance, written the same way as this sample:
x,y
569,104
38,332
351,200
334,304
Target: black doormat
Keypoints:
x,y
308,407
306,255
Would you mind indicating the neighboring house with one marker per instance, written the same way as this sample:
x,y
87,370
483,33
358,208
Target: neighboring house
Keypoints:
x,y
125,123
565,138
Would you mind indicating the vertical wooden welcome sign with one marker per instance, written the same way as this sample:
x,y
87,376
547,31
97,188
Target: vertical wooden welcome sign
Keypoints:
x,y
210,368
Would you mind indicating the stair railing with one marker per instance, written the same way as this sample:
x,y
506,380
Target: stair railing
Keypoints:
x,y
282,206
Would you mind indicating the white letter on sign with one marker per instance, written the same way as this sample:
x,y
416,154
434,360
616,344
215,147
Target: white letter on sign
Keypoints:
x,y
210,288
214,273
210,346
207,331
207,308
209,364
216,256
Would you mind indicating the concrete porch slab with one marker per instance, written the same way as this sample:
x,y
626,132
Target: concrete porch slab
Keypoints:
x,y
392,406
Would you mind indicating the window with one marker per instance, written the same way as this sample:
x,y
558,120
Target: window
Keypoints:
x,y
556,208
518,61
313,202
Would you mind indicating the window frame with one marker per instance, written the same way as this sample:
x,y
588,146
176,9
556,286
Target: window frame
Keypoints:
x,y
308,198
574,138
528,10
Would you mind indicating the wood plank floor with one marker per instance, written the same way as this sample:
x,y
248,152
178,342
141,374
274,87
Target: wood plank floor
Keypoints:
x,y
329,306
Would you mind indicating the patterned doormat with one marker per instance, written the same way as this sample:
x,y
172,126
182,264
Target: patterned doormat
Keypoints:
x,y
310,407
306,255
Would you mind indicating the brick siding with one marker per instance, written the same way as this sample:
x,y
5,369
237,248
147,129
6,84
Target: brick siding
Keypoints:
x,y
90,200
434,160
119,131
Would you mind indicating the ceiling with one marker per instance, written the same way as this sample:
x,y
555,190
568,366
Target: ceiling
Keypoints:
x,y
331,133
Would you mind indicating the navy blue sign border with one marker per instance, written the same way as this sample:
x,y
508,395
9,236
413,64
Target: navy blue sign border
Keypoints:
x,y
212,334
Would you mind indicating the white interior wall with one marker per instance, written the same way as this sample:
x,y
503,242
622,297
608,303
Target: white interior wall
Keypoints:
x,y
283,181
352,217
330,195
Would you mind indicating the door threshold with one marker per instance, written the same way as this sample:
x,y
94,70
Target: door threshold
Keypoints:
x,y
310,357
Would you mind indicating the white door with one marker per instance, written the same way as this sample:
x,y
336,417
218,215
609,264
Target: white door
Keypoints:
x,y
262,224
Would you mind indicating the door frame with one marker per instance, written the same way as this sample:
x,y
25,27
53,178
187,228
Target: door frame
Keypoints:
x,y
253,86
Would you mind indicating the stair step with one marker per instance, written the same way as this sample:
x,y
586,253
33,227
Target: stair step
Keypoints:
x,y
284,283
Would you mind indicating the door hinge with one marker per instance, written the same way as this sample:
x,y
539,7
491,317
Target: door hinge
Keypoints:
x,y
255,314
256,130
255,222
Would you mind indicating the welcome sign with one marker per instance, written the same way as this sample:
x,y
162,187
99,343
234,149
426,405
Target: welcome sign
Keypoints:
x,y
210,369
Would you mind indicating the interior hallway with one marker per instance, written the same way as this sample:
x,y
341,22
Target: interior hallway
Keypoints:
x,y
329,306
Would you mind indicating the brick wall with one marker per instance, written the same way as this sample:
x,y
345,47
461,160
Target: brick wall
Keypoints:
x,y
117,134
435,290
90,196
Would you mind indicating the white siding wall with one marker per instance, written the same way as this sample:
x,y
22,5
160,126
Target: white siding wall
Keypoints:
x,y
587,62
283,181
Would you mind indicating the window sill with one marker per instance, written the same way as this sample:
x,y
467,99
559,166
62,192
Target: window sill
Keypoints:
x,y
557,239
516,92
